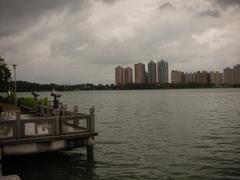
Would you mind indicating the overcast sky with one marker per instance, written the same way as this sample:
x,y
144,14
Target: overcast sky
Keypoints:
x,y
79,41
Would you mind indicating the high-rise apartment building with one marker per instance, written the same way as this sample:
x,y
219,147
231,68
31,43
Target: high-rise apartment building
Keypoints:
x,y
190,77
177,77
128,75
152,72
119,76
212,77
219,78
162,72
216,78
140,73
228,76
203,77
237,74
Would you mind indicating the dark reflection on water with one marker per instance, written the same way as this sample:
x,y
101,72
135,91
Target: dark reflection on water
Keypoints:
x,y
57,165
161,134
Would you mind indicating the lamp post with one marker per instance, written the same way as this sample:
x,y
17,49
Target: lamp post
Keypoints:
x,y
15,84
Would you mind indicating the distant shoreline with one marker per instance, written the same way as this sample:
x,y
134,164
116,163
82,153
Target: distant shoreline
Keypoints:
x,y
24,86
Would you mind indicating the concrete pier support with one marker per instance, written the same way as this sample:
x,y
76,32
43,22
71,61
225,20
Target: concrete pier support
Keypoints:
x,y
0,161
1,174
0,154
18,125
90,154
91,127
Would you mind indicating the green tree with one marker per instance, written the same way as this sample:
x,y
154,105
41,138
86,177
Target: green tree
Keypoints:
x,y
5,75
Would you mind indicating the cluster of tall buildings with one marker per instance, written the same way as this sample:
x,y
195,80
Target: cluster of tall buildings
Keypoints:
x,y
123,75
157,73
229,76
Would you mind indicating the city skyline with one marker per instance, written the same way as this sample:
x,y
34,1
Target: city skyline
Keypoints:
x,y
228,76
82,41
158,73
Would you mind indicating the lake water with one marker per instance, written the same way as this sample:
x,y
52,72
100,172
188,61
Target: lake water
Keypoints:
x,y
152,134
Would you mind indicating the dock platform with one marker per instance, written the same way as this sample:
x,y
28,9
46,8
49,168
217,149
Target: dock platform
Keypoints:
x,y
46,129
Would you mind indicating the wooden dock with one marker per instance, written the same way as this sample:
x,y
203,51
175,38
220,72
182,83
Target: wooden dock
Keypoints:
x,y
46,129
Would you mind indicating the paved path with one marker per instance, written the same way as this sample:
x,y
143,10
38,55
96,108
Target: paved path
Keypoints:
x,y
8,107
11,177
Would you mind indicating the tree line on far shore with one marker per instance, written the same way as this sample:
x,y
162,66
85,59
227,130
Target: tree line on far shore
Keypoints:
x,y
24,86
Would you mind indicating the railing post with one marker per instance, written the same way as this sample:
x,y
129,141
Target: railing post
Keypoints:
x,y
92,119
58,121
64,110
19,127
57,125
75,109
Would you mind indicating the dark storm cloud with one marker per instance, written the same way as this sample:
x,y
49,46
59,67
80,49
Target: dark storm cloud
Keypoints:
x,y
227,3
166,6
86,39
110,1
212,13
16,15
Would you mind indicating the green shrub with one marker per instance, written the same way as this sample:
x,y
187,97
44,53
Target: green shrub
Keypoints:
x,y
43,101
31,102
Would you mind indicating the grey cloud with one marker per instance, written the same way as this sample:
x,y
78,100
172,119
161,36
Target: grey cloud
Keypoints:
x,y
16,15
166,6
211,13
110,1
85,46
227,3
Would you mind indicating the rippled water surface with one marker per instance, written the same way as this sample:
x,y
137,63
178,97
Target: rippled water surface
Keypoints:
x,y
152,134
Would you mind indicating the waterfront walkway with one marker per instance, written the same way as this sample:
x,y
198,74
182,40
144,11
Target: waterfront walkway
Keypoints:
x,y
4,107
